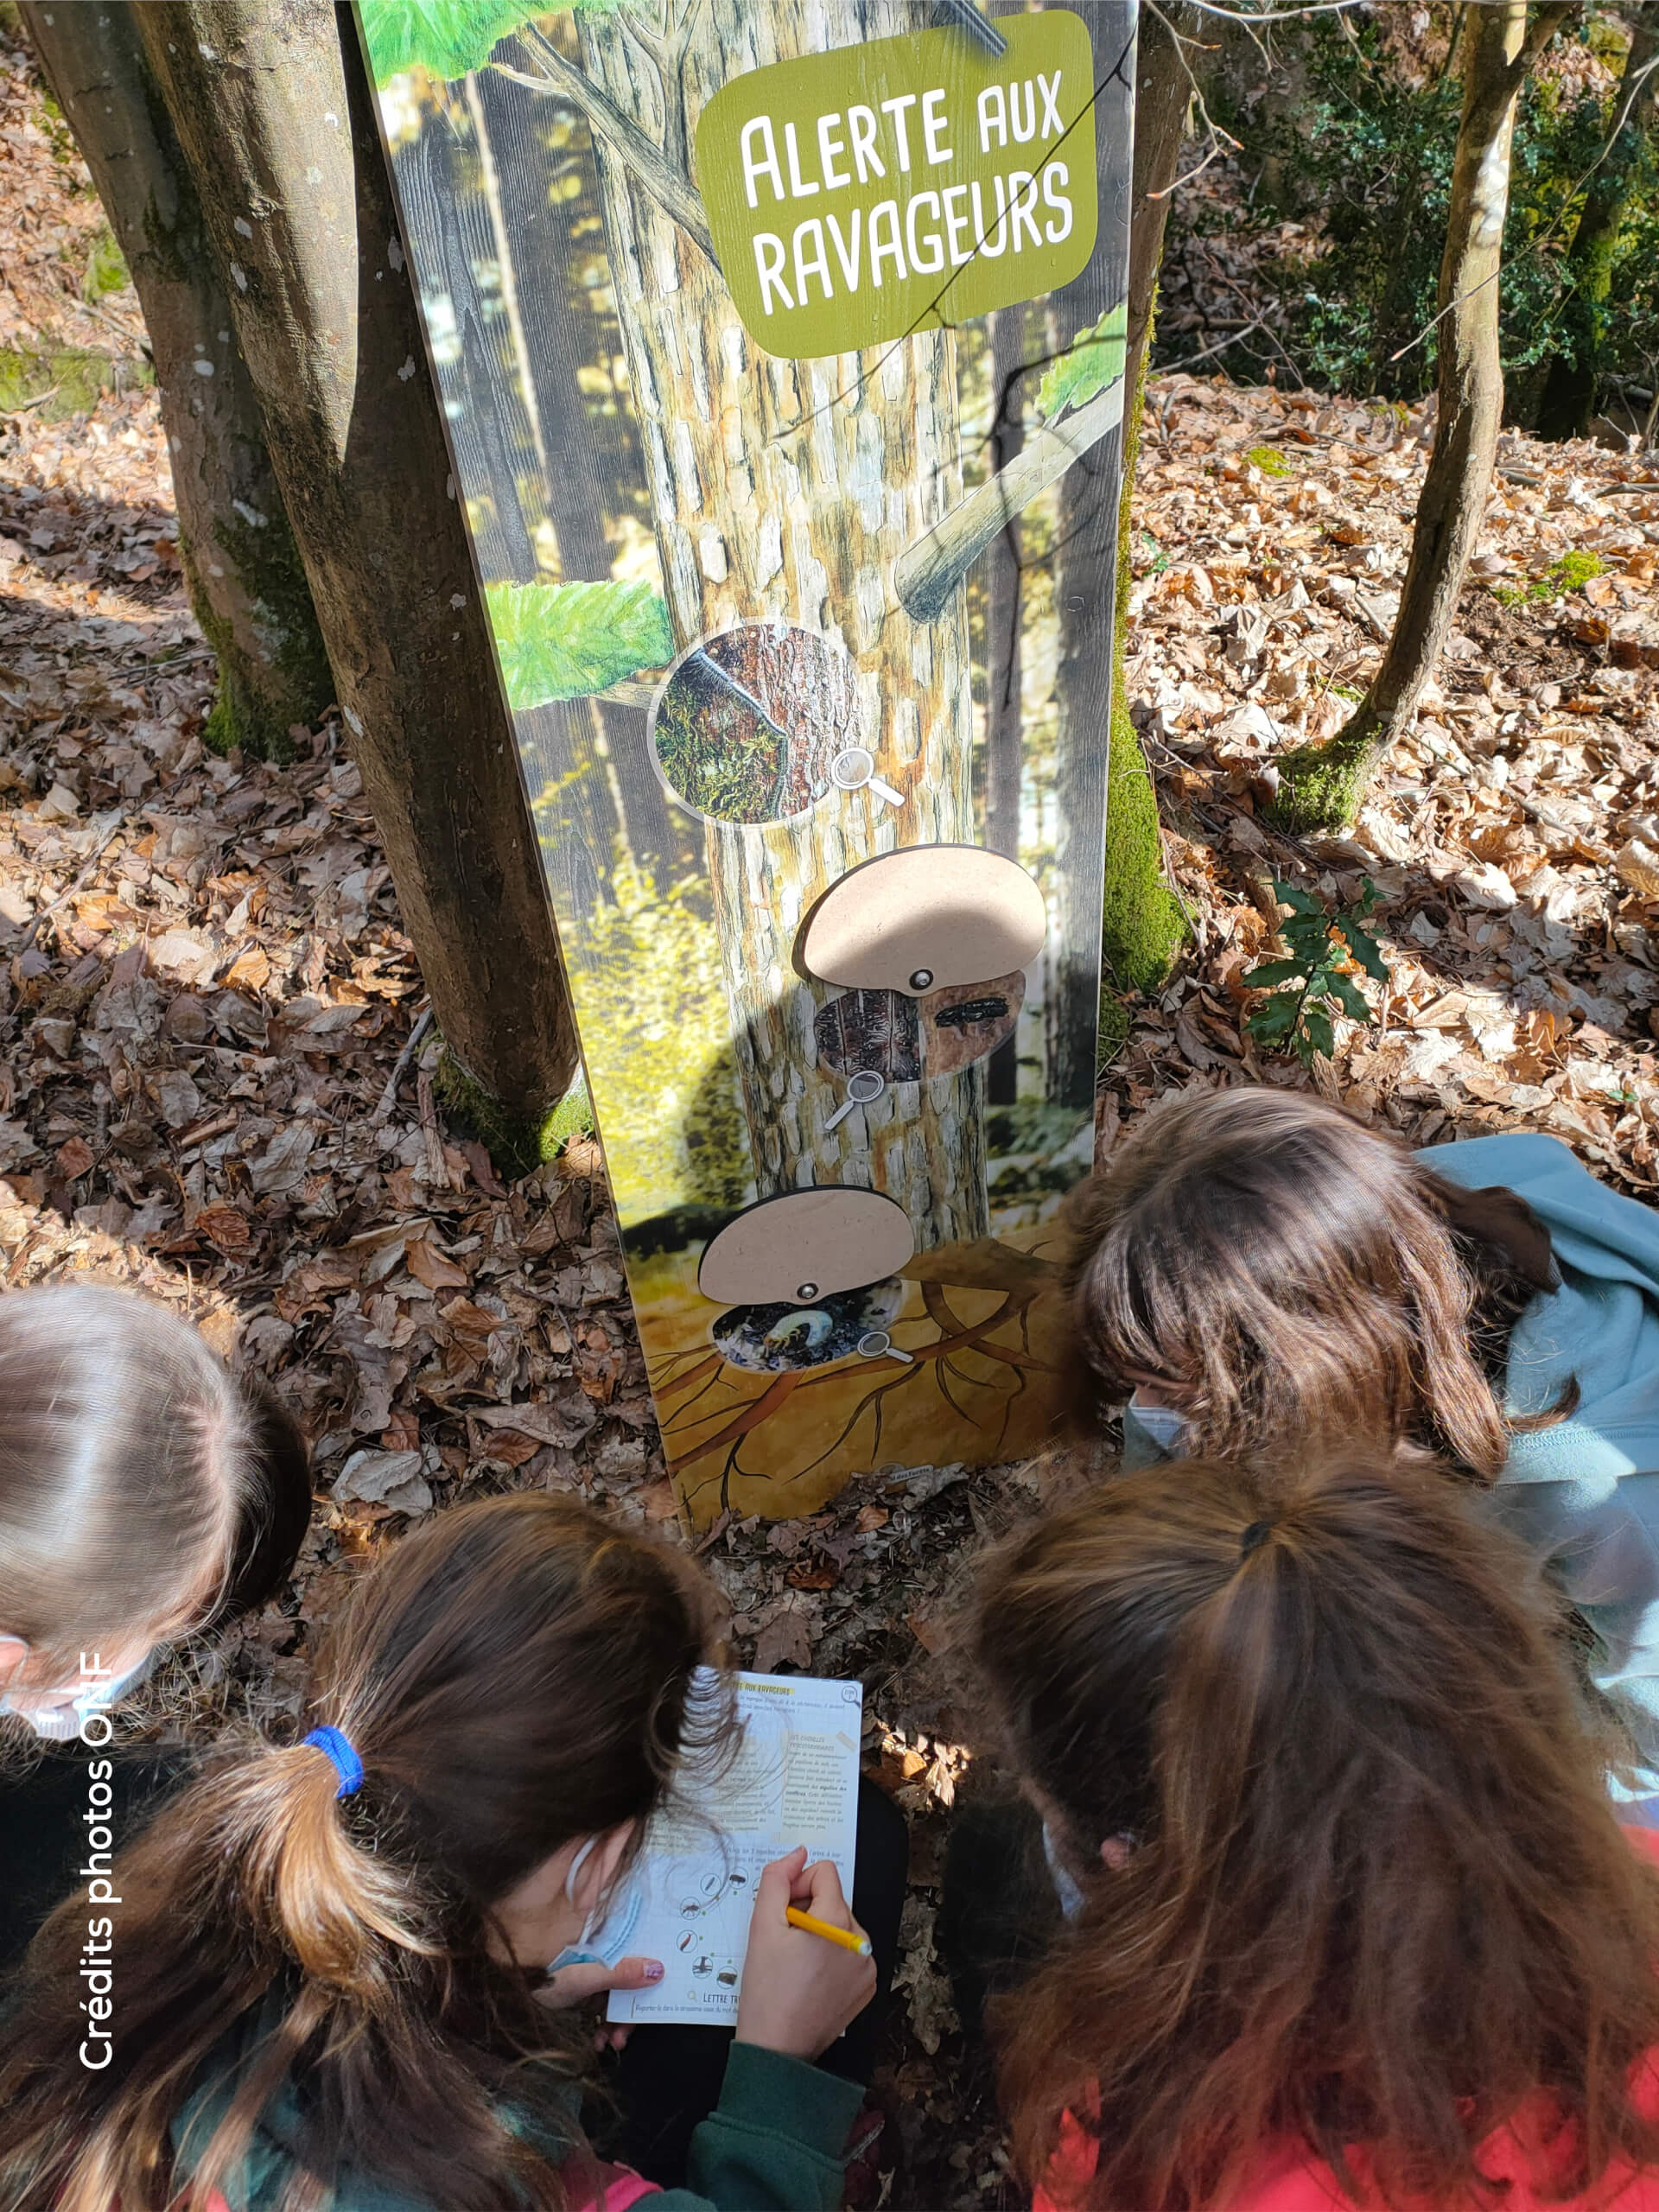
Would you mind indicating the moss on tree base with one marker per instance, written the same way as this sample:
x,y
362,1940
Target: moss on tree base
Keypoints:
x,y
263,694
518,1140
1321,787
1141,925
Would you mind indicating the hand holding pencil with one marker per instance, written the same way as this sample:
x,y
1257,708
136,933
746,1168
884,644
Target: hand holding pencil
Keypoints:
x,y
808,1972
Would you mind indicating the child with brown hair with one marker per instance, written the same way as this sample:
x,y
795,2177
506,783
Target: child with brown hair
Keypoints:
x,y
1352,1915
1259,1275
325,1963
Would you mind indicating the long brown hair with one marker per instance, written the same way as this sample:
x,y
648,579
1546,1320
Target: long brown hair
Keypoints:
x,y
144,1490
1280,1274
513,1675
1377,1896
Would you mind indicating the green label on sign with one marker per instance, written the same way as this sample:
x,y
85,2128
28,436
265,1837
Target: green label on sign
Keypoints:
x,y
859,195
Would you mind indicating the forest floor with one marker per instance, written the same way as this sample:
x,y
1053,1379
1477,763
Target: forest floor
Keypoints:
x,y
207,998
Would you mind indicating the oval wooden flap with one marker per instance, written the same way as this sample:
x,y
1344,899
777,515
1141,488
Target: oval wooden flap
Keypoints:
x,y
806,1245
922,918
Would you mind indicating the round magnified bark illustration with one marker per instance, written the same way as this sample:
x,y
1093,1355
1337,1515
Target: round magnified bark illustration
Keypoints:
x,y
750,723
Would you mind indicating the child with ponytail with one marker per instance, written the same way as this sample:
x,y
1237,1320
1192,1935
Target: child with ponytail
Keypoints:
x,y
1351,1914
327,1958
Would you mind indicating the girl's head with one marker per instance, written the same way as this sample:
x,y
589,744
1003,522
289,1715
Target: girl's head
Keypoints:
x,y
1373,1893
514,1680
1276,1273
144,1491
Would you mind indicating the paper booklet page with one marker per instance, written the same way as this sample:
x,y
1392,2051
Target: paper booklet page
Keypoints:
x,y
687,1899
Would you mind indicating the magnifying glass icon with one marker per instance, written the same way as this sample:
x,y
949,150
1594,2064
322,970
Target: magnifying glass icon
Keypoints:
x,y
862,1089
852,770
876,1344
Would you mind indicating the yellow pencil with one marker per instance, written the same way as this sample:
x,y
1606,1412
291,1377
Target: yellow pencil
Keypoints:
x,y
848,1938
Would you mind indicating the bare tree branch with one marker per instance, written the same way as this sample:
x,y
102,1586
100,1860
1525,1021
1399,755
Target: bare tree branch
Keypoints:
x,y
927,572
625,138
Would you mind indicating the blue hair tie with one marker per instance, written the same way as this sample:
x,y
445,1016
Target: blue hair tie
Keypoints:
x,y
346,1763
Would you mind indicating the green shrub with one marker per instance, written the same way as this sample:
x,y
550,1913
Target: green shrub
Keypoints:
x,y
1365,157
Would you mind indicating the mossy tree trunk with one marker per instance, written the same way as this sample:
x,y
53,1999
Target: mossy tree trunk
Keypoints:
x,y
274,112
1142,924
247,583
1569,394
1321,786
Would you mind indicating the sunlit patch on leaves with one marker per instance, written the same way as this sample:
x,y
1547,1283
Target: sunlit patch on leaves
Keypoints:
x,y
561,641
447,37
1307,990
1095,360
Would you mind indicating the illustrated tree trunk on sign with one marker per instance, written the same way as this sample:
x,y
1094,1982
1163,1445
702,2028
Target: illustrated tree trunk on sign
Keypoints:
x,y
729,431
1321,786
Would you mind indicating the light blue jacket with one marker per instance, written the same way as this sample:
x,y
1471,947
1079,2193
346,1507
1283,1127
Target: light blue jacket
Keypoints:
x,y
1584,1492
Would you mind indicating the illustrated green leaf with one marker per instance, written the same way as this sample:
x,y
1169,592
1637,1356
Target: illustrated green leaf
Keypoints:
x,y
1272,972
560,641
448,37
1093,360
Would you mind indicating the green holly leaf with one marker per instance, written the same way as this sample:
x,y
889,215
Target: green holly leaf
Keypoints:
x,y
1300,902
448,37
1272,972
560,641
1094,360
1316,1027
1348,996
1366,950
1273,1020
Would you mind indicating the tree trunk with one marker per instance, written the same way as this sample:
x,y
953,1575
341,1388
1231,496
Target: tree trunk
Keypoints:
x,y
1003,613
274,114
247,584
1321,786
733,433
1569,393
1141,925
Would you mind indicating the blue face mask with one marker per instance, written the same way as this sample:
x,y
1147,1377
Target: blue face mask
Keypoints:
x,y
1066,1885
61,1724
1163,1424
605,1933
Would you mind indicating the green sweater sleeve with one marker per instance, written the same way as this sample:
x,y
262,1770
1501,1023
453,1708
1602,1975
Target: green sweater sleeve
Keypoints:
x,y
772,2143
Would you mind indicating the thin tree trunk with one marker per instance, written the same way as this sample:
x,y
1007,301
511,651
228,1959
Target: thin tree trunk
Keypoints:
x,y
247,584
1139,925
274,111
1003,614
1322,786
1569,393
733,434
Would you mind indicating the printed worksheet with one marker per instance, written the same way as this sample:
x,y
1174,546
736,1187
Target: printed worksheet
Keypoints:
x,y
793,1779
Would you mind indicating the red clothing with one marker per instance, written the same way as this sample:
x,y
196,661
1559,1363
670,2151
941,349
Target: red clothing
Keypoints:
x,y
1291,2180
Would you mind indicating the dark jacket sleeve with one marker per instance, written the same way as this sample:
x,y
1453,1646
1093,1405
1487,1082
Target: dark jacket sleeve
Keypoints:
x,y
772,2143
